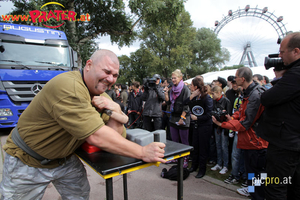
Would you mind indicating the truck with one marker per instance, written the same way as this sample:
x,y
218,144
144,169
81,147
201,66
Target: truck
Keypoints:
x,y
29,57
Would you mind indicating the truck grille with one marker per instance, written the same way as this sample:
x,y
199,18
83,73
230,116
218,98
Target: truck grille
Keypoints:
x,y
22,91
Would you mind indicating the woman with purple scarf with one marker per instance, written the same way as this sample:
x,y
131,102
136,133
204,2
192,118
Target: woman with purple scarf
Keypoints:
x,y
180,113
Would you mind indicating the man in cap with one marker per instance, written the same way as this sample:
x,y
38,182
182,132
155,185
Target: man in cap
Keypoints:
x,y
222,83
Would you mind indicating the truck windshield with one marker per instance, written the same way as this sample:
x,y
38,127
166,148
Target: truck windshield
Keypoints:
x,y
33,55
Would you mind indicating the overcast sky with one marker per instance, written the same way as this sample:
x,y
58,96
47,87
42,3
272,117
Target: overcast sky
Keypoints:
x,y
236,33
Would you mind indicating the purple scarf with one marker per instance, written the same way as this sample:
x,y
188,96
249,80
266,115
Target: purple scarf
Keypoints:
x,y
175,92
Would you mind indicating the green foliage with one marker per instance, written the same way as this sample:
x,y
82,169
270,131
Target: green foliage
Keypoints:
x,y
136,67
168,40
231,67
107,17
207,53
167,47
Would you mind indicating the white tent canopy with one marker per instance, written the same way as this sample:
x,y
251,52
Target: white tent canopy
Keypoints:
x,y
210,76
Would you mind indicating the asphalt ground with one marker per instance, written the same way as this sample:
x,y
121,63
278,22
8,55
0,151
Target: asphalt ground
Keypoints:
x,y
146,184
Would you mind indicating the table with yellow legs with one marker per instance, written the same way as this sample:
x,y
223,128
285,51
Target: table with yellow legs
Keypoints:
x,y
109,165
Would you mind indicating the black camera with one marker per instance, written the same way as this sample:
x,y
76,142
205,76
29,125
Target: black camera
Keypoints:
x,y
274,61
149,83
220,115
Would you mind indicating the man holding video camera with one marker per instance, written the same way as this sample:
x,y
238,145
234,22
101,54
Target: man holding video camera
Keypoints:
x,y
154,96
280,124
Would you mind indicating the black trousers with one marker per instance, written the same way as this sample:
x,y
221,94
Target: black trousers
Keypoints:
x,y
284,164
201,137
134,117
151,123
165,125
212,147
255,162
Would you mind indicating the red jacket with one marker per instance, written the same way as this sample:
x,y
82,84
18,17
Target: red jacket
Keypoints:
x,y
244,119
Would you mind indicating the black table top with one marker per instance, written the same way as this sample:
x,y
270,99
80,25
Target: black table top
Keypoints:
x,y
106,163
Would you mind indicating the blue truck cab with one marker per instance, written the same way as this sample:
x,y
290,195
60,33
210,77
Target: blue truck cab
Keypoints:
x,y
29,57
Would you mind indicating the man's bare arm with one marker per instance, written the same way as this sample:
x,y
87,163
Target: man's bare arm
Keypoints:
x,y
117,117
109,140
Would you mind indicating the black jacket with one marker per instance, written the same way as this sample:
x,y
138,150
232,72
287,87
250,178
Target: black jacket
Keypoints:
x,y
154,98
280,122
202,109
179,107
135,101
232,95
111,93
222,104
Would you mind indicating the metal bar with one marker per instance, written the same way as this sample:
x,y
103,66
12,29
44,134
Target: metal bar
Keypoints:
x,y
180,179
109,189
125,187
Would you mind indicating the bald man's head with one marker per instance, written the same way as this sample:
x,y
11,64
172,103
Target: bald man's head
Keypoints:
x,y
101,71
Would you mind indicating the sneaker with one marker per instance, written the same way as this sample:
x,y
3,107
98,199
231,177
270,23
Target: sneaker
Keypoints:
x,y
243,191
224,170
231,180
245,183
216,167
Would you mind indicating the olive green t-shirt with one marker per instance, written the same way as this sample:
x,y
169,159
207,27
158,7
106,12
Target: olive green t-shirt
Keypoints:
x,y
57,121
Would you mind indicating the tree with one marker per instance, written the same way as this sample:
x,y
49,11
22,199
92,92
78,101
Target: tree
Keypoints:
x,y
107,17
207,53
136,67
232,67
168,45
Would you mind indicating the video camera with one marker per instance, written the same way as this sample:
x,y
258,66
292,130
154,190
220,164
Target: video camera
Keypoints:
x,y
274,61
220,115
149,83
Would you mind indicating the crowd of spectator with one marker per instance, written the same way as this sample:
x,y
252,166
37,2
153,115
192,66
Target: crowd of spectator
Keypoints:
x,y
245,126
185,111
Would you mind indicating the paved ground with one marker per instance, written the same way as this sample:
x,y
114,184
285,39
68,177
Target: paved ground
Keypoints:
x,y
146,184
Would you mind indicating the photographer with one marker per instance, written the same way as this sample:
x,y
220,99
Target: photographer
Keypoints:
x,y
280,124
221,107
243,121
154,96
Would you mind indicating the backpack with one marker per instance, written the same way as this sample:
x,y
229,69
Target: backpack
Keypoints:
x,y
173,172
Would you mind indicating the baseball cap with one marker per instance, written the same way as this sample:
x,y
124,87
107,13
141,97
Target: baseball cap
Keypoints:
x,y
230,78
222,81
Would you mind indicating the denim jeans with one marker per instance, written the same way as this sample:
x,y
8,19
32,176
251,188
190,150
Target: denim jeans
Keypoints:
x,y
222,147
237,160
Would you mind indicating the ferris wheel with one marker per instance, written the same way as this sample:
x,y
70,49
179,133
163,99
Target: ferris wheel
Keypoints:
x,y
250,37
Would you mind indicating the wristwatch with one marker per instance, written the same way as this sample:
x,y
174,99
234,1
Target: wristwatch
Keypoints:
x,y
108,112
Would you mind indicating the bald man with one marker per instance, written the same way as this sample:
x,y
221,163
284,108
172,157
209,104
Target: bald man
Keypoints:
x,y
63,115
280,123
